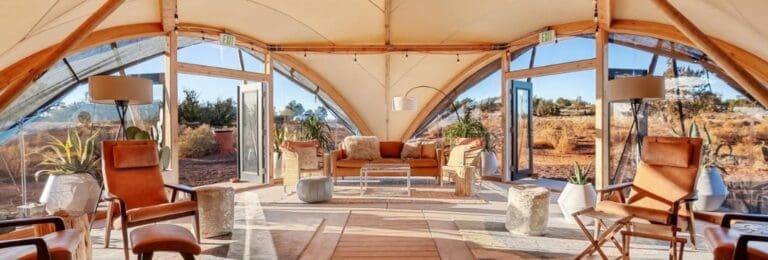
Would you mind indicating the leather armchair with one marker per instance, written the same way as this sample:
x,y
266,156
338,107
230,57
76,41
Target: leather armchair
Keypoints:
x,y
293,161
728,243
60,244
136,191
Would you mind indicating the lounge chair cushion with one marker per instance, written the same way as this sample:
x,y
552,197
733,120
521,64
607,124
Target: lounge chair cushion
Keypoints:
x,y
723,243
136,155
667,154
161,210
164,237
61,245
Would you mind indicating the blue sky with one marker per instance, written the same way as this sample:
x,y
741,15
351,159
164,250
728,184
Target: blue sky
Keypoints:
x,y
568,85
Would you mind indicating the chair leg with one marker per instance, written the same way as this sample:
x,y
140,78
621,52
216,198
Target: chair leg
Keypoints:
x,y
108,225
126,246
197,226
672,250
691,224
145,256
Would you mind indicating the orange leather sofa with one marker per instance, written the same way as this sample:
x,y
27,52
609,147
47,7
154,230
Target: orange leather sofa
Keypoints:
x,y
341,166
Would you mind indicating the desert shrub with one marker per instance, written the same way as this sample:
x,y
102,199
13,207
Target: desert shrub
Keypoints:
x,y
566,142
761,132
197,142
728,135
545,107
545,138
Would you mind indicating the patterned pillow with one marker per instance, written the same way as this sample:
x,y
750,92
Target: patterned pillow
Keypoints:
x,y
411,150
362,147
308,159
456,157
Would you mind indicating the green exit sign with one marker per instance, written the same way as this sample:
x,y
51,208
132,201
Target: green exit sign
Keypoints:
x,y
547,37
227,39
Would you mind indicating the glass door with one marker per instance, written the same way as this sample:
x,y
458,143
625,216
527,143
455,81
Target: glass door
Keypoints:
x,y
253,140
520,118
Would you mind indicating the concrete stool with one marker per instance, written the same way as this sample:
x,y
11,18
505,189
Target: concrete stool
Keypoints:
x,y
527,210
149,239
315,189
216,206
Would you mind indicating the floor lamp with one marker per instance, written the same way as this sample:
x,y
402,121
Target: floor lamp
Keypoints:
x,y
406,103
634,90
121,91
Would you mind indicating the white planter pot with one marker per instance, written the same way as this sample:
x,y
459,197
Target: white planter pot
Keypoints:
x,y
278,165
710,189
75,193
574,198
489,163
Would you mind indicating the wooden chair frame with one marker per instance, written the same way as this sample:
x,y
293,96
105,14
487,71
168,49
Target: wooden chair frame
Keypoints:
x,y
39,243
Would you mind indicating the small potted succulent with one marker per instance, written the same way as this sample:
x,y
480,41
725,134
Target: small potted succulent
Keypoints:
x,y
578,193
72,164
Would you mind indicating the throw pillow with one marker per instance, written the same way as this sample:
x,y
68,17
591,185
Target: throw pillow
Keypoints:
x,y
411,150
429,150
456,157
362,147
308,158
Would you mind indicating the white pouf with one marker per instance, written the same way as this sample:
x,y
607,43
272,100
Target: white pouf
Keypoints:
x,y
315,189
216,206
527,210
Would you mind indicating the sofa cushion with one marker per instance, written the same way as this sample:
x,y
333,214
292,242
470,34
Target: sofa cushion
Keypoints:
x,y
422,163
390,149
362,147
349,163
411,149
429,150
388,160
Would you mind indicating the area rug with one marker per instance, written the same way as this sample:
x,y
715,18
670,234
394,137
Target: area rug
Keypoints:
x,y
373,195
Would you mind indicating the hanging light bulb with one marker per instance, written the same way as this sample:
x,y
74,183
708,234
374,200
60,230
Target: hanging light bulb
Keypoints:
x,y
406,55
457,58
305,54
355,57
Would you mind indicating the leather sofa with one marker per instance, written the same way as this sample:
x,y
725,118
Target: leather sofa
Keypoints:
x,y
341,166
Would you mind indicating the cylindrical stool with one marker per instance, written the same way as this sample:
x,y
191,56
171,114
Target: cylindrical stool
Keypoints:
x,y
315,189
527,210
149,239
216,206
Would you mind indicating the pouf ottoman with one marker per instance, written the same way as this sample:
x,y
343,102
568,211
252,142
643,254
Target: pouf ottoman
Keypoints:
x,y
315,189
527,210
216,206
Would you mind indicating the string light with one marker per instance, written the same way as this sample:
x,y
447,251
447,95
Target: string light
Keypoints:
x,y
355,57
457,58
406,55
176,22
597,22
202,34
305,53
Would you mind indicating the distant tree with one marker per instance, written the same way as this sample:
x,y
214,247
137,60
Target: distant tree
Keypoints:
x,y
488,105
222,113
293,109
563,102
545,107
321,112
190,109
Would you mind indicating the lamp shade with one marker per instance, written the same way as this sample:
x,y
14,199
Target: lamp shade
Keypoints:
x,y
108,89
403,103
629,88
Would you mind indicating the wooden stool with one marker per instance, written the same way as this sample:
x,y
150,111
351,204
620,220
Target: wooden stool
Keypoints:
x,y
164,237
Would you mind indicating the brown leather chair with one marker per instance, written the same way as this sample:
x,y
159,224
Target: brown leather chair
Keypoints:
x,y
729,243
665,180
135,188
58,245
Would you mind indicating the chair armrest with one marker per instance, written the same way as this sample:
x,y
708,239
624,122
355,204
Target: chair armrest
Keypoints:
x,y
39,243
56,221
727,218
183,188
335,155
120,203
742,245
615,187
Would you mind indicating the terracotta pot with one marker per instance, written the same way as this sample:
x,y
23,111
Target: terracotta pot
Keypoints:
x,y
224,137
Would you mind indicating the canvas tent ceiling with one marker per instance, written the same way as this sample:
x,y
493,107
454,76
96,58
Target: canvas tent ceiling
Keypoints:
x,y
30,26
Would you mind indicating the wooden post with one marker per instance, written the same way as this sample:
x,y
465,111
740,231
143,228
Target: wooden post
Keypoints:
x,y
21,81
505,111
741,76
269,70
602,112
170,105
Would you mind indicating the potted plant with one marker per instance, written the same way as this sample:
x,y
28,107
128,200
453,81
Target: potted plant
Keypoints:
x,y
578,193
710,186
314,128
73,163
467,127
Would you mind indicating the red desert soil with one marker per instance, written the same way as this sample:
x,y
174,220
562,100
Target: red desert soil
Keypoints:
x,y
207,170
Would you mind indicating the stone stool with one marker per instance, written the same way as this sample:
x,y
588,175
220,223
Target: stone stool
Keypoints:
x,y
149,239
216,206
527,210
315,189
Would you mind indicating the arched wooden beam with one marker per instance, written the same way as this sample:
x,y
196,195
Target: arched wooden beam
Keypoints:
x,y
752,63
447,88
328,88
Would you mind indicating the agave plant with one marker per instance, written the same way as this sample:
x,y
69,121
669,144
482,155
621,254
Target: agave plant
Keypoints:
x,y
466,127
711,154
580,174
70,156
278,140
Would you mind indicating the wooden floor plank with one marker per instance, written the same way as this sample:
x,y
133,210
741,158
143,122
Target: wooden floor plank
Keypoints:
x,y
386,234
